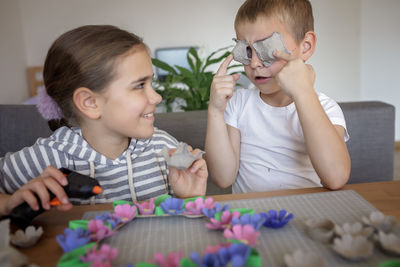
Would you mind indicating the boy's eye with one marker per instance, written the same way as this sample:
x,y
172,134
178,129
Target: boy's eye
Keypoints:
x,y
249,52
139,86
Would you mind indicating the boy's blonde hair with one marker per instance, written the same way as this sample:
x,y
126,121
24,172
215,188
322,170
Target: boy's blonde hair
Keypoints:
x,y
295,14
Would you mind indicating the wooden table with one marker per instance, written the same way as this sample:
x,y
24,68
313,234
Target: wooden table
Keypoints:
x,y
385,196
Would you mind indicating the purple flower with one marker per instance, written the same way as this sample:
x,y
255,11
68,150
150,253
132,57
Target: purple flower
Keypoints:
x,y
126,212
210,212
255,220
195,207
99,230
276,220
72,239
172,259
107,218
172,206
101,257
244,233
147,207
226,219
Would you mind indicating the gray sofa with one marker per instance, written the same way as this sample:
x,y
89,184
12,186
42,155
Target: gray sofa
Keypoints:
x,y
370,125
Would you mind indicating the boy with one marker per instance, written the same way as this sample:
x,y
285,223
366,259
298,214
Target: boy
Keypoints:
x,y
281,134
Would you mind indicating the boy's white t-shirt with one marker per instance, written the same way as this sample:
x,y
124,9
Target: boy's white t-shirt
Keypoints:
x,y
273,154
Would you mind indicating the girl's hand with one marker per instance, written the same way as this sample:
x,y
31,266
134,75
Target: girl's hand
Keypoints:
x,y
51,179
190,182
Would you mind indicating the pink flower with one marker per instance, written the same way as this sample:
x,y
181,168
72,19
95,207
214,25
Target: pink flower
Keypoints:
x,y
101,257
147,207
226,219
216,248
126,212
195,207
209,203
244,233
172,260
99,230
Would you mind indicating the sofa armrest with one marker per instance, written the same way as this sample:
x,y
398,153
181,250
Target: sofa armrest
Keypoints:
x,y
371,146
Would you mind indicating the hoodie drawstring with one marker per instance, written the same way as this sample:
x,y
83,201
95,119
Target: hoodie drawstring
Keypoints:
x,y
91,174
130,175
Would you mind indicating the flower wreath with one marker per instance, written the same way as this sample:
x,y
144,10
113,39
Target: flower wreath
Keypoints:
x,y
80,241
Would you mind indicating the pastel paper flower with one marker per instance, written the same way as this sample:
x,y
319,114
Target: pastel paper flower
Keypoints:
x,y
244,233
147,207
126,212
99,230
255,220
211,210
172,259
107,218
236,254
276,220
172,206
72,239
226,219
211,260
195,207
216,248
101,257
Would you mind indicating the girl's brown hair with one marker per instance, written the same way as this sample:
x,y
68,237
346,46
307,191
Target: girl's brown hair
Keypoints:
x,y
295,14
83,57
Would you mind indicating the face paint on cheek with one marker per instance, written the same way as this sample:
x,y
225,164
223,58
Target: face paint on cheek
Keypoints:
x,y
266,48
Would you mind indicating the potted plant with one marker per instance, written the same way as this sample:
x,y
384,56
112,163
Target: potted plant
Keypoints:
x,y
192,85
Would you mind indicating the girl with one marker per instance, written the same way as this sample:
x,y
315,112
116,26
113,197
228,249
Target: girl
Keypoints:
x,y
99,78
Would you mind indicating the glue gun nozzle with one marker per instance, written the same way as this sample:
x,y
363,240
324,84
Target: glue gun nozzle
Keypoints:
x,y
97,189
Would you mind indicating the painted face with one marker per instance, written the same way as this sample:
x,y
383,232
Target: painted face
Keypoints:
x,y
129,102
242,52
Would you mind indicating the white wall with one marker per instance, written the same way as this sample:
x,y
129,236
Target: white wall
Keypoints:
x,y
343,38
380,53
13,79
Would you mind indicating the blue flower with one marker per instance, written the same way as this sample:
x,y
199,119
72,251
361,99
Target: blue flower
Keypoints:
x,y
255,220
106,218
72,239
210,213
275,220
211,260
172,206
238,254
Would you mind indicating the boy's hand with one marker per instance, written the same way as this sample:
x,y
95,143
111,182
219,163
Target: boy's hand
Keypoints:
x,y
295,77
192,181
222,86
51,179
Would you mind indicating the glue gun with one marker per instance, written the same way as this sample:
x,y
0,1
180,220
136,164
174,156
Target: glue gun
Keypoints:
x,y
79,186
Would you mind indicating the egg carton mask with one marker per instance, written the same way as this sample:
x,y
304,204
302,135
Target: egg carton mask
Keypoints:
x,y
242,52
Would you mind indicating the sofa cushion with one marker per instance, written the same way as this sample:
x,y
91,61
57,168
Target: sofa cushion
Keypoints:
x,y
21,126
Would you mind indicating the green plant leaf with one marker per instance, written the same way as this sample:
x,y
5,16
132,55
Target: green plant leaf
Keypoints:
x,y
163,65
215,60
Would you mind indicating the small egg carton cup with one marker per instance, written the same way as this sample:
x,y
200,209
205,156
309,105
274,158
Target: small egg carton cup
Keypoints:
x,y
353,229
182,158
300,258
389,243
27,238
320,229
354,248
381,222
